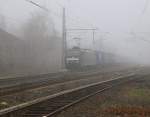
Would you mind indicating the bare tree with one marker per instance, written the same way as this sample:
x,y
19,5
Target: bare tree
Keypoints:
x,y
2,22
41,41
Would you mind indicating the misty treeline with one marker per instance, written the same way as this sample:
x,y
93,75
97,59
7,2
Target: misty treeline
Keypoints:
x,y
38,50
2,22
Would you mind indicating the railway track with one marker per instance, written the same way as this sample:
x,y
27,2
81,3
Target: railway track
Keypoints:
x,y
17,85
51,105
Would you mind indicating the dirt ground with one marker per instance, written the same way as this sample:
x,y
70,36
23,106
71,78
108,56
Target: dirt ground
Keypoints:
x,y
131,100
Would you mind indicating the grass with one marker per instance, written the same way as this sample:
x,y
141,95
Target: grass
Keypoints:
x,y
132,101
129,111
138,94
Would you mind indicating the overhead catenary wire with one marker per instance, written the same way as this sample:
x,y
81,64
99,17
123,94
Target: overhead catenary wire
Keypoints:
x,y
139,20
143,12
145,6
139,37
145,40
75,20
49,11
70,19
44,8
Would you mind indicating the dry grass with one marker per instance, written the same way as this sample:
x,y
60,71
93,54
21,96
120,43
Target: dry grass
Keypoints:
x,y
127,111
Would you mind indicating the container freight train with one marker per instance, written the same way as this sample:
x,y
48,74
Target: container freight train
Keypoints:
x,y
77,58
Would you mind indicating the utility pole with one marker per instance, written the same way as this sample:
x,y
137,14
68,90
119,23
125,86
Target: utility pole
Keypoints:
x,y
64,41
93,35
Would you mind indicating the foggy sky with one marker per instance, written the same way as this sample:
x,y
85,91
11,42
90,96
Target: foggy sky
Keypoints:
x,y
119,17
108,15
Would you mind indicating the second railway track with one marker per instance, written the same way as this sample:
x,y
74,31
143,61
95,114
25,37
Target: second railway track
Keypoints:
x,y
26,83
50,105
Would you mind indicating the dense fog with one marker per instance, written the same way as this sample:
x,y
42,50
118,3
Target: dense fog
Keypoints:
x,y
31,37
36,50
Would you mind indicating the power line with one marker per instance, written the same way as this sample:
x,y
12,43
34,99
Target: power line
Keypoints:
x,y
145,40
76,20
141,14
137,37
43,8
76,29
144,10
145,6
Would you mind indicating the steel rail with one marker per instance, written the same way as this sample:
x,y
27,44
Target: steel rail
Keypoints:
x,y
28,107
8,90
82,99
